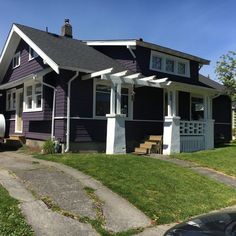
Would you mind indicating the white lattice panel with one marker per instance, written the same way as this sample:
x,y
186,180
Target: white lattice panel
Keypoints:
x,y
192,128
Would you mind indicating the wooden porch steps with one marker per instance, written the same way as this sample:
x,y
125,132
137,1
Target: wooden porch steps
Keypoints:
x,y
152,145
15,141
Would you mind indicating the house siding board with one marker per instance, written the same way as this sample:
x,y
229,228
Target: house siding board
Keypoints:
x,y
26,67
121,54
223,119
184,105
60,130
88,130
82,98
148,103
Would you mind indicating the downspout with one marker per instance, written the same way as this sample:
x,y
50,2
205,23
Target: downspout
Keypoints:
x,y
53,104
68,112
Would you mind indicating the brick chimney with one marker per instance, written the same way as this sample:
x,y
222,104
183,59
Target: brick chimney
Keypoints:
x,y
66,29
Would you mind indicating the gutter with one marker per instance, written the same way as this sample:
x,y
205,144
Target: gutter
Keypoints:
x,y
68,112
53,106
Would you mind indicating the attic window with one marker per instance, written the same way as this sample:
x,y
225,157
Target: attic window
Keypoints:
x,y
32,53
16,60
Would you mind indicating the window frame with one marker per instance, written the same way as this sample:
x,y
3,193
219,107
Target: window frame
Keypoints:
x,y
34,54
164,58
108,83
17,55
10,107
34,95
200,97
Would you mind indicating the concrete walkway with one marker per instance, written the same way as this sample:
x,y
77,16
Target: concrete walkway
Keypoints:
x,y
213,174
23,175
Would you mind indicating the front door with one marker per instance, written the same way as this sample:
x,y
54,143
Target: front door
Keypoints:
x,y
19,111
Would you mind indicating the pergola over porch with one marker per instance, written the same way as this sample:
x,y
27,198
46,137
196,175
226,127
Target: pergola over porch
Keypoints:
x,y
178,135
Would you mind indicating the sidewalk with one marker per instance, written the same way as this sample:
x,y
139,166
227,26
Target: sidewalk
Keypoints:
x,y
215,175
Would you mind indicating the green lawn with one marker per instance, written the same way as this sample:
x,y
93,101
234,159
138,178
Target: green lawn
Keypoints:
x,y
165,192
11,219
221,159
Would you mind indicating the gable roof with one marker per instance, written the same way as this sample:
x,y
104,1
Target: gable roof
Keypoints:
x,y
140,42
58,52
205,80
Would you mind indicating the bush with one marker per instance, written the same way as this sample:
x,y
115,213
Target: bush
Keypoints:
x,y
48,147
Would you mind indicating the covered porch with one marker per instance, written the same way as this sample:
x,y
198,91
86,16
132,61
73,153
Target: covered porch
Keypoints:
x,y
182,132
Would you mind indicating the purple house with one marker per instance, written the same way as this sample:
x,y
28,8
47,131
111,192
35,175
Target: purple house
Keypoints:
x,y
107,95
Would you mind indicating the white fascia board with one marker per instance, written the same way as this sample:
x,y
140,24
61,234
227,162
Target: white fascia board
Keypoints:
x,y
111,43
6,44
162,80
43,55
122,73
191,88
97,73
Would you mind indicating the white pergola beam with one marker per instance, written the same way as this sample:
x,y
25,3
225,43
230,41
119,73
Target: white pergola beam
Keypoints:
x,y
97,73
148,78
133,76
119,74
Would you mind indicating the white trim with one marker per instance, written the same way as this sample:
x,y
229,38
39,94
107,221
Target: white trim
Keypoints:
x,y
119,74
34,108
11,92
131,51
133,76
34,53
176,60
13,58
108,83
111,43
18,91
42,54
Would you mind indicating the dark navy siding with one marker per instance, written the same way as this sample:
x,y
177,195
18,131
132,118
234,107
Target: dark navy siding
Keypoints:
x,y
82,98
222,116
148,103
88,130
184,105
26,67
121,54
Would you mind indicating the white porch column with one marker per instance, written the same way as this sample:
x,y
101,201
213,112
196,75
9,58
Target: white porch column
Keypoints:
x,y
171,139
209,126
171,134
115,142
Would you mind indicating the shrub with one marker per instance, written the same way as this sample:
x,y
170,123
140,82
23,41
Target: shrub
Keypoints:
x,y
48,147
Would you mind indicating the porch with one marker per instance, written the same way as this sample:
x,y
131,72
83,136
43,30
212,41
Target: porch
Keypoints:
x,y
180,133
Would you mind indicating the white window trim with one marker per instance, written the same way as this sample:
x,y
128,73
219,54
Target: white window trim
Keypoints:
x,y
35,54
11,91
108,83
175,59
33,109
16,55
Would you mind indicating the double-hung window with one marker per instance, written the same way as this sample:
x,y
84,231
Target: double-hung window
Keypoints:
x,y
11,100
16,60
33,97
32,54
102,100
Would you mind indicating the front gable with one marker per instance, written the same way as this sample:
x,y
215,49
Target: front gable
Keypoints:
x,y
27,65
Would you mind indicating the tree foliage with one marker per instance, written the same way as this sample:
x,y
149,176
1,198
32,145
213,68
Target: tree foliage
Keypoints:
x,y
226,72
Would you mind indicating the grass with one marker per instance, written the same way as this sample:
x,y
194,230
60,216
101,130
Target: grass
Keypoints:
x,y
222,159
11,220
165,192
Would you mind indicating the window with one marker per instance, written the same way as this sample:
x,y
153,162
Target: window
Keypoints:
x,y
11,100
102,100
169,64
16,60
33,97
197,108
157,62
181,68
32,53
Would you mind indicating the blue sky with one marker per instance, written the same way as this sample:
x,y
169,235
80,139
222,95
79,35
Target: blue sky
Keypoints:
x,y
205,28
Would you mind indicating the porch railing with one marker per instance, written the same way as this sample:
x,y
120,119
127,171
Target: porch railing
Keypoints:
x,y
192,136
